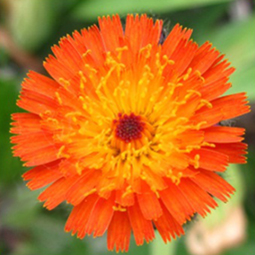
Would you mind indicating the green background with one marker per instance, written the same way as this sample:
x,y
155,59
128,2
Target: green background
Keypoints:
x,y
30,28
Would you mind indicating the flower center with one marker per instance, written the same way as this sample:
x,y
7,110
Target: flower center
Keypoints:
x,y
129,127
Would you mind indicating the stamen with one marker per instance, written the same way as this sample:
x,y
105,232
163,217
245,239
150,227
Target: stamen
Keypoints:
x,y
59,98
64,82
119,208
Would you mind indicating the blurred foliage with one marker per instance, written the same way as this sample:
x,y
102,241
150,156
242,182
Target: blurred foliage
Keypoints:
x,y
91,9
31,19
10,167
34,25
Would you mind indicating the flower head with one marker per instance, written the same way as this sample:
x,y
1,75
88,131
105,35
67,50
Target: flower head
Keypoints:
x,y
126,130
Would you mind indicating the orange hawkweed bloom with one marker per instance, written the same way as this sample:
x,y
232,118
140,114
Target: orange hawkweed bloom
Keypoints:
x,y
127,132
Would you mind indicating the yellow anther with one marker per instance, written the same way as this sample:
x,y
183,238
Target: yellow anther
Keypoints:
x,y
186,76
119,208
120,50
143,177
64,82
127,192
61,153
196,161
90,68
206,103
48,112
84,55
83,80
212,145
197,72
78,168
90,192
146,49
107,188
198,126
58,98
192,91
55,121
169,61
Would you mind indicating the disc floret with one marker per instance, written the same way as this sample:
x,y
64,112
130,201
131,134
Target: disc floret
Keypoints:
x,y
129,127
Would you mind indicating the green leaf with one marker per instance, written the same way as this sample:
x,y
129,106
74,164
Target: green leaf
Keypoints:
x,y
89,10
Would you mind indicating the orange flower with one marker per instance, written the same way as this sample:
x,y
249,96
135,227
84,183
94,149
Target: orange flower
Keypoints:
x,y
127,132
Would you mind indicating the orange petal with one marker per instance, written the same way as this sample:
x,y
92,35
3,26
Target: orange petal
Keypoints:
x,y
36,103
188,109
226,107
141,227
111,31
154,179
213,184
56,69
230,106
93,41
167,226
25,123
78,42
218,70
204,58
209,117
101,216
37,141
55,194
80,214
176,203
173,39
67,55
190,137
149,205
40,84
179,160
123,198
183,55
79,190
68,60
219,134
43,175
141,31
67,167
192,81
197,197
211,159
215,89
119,232
41,156
234,151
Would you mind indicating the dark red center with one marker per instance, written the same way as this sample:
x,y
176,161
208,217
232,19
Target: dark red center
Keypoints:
x,y
129,127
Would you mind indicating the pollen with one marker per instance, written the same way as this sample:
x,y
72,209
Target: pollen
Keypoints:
x,y
129,127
